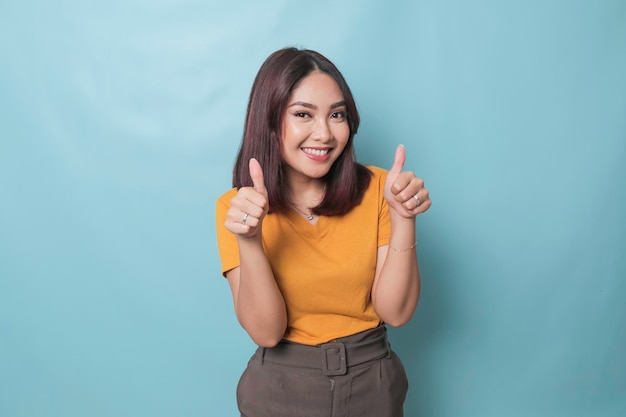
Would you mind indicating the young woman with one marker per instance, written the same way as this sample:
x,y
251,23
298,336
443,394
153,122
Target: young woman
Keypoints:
x,y
319,251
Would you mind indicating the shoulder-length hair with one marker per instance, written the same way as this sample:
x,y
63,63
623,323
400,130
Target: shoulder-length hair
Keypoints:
x,y
281,72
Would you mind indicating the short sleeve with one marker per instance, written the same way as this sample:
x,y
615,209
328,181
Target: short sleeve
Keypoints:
x,y
226,241
384,222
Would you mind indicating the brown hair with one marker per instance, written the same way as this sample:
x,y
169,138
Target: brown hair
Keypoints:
x,y
281,72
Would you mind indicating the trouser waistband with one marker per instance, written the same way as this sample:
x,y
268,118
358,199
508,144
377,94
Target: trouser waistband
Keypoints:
x,y
333,358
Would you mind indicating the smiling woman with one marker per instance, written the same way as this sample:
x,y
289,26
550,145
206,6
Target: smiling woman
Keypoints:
x,y
319,251
314,134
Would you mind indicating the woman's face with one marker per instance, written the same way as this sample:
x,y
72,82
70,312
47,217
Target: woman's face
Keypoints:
x,y
314,127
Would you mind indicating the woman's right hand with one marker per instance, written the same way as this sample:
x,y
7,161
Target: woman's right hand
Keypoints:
x,y
248,208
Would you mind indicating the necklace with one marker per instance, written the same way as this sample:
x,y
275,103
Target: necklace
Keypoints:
x,y
309,216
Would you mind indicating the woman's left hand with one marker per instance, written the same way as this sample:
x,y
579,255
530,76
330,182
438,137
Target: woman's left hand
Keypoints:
x,y
404,192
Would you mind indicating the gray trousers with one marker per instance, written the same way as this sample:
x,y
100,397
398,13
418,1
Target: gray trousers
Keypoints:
x,y
287,382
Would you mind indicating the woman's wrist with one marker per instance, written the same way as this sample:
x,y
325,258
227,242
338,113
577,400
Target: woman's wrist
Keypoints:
x,y
403,249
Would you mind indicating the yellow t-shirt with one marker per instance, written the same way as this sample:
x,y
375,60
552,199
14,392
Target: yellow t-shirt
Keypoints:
x,y
324,271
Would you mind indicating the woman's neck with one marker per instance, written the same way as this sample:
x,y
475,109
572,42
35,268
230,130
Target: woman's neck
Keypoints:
x,y
306,195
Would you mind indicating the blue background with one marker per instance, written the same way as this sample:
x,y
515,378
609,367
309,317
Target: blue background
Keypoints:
x,y
119,124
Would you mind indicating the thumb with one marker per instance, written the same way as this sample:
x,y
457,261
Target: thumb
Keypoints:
x,y
398,162
257,176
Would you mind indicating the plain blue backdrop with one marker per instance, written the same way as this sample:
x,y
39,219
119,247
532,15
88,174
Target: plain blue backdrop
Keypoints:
x,y
119,124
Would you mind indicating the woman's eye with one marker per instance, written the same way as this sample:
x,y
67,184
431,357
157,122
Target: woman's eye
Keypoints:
x,y
302,114
339,115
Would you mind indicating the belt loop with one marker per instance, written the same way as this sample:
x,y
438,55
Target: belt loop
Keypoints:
x,y
387,342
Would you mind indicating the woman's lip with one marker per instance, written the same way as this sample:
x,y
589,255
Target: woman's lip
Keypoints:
x,y
314,154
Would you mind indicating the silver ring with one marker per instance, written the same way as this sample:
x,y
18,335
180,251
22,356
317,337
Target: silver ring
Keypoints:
x,y
245,217
417,199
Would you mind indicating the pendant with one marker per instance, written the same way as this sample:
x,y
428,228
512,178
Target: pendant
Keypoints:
x,y
308,216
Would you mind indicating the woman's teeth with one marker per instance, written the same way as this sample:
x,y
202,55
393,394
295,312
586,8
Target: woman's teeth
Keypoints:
x,y
316,152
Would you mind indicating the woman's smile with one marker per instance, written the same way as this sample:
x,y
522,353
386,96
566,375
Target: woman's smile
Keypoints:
x,y
315,128
317,154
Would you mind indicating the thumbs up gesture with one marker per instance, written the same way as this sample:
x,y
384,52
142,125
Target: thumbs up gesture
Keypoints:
x,y
249,206
404,192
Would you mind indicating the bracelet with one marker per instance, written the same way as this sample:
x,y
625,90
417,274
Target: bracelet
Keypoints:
x,y
405,249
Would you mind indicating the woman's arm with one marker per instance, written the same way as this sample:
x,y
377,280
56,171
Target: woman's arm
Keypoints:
x,y
396,287
259,304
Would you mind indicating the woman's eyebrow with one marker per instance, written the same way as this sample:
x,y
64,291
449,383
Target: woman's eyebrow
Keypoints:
x,y
303,104
314,107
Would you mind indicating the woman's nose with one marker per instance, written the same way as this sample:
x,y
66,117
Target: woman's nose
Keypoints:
x,y
321,130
